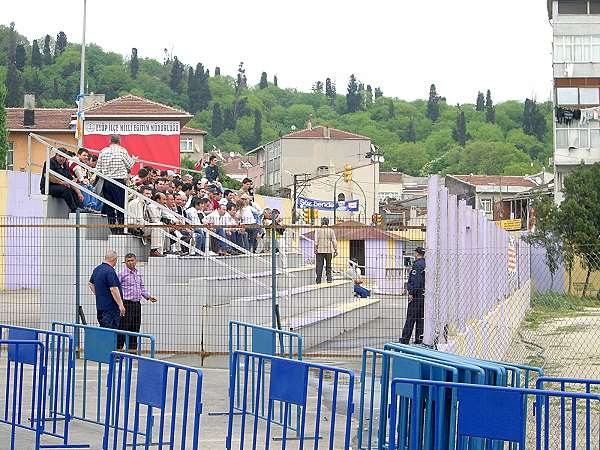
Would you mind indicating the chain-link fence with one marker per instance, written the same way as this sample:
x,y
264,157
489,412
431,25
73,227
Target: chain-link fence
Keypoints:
x,y
496,302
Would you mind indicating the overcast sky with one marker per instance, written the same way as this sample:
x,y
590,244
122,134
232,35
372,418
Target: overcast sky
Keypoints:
x,y
401,45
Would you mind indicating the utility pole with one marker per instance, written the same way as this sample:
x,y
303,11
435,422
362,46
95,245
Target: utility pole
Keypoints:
x,y
296,185
81,95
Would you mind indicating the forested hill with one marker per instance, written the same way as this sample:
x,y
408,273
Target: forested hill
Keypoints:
x,y
418,137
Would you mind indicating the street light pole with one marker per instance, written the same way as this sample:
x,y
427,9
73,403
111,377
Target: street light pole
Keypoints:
x,y
294,195
81,95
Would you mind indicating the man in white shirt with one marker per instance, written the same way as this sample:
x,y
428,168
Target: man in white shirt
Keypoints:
x,y
137,212
217,219
248,214
114,162
196,214
157,236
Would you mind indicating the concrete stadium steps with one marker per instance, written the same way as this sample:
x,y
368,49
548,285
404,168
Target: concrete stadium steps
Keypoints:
x,y
321,325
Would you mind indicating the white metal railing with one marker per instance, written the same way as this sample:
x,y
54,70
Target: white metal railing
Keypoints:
x,y
137,194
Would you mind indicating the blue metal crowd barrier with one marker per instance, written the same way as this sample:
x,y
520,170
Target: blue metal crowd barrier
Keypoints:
x,y
173,389
563,384
495,414
95,346
59,360
287,381
248,337
386,365
23,390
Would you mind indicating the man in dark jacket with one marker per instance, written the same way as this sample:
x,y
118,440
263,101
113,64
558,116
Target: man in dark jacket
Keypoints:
x,y
211,173
416,302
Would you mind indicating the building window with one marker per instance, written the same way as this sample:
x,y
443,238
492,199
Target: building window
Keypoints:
x,y
572,7
572,49
574,137
10,156
577,96
486,205
186,145
589,96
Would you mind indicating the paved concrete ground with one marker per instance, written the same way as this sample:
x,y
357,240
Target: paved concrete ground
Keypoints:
x,y
213,426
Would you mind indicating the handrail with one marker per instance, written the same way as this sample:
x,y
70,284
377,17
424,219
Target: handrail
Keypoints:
x,y
137,194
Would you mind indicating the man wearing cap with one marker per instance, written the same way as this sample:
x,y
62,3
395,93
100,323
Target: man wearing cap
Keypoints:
x,y
416,299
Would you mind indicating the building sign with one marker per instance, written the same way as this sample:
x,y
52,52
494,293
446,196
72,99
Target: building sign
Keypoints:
x,y
150,140
140,127
512,255
510,225
327,205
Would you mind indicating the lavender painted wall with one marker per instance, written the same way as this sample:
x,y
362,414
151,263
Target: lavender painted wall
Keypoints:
x,y
467,264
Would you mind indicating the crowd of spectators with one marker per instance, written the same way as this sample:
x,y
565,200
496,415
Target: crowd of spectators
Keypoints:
x,y
191,204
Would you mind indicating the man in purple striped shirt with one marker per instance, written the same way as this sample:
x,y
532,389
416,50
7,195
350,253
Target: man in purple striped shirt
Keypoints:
x,y
133,292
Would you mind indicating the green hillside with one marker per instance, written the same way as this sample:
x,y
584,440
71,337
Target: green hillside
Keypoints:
x,y
418,137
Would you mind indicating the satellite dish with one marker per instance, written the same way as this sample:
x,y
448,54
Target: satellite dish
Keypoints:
x,y
231,154
293,127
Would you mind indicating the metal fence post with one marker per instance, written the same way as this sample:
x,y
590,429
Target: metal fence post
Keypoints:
x,y
77,273
273,278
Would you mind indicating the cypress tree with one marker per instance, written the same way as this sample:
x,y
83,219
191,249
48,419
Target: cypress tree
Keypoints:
x,y
228,119
47,51
217,120
20,57
36,56
275,80
352,99
490,111
460,130
192,91
410,135
317,87
433,105
257,127
203,89
368,96
263,81
176,75
13,81
534,122
330,91
134,65
480,104
378,93
61,44
217,71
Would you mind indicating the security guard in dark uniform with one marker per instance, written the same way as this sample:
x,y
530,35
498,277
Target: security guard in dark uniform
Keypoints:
x,y
416,304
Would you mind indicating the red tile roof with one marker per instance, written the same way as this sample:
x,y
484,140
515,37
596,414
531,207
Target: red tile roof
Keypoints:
x,y
320,132
233,166
58,119
495,180
190,130
390,177
134,106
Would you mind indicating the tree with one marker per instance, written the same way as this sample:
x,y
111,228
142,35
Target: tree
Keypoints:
x,y
47,50
134,64
391,109
241,81
257,127
176,79
228,119
546,233
579,217
192,91
490,111
317,87
275,80
13,80
460,130
61,44
352,97
217,71
378,93
433,106
410,134
203,88
330,91
3,131
368,97
534,122
217,120
20,57
480,103
263,81
36,56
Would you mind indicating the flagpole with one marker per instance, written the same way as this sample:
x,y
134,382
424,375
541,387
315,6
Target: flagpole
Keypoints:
x,y
81,95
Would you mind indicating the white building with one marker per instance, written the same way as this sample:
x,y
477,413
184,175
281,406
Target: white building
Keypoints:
x,y
576,74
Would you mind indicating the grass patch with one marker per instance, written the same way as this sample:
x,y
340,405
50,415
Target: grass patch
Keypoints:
x,y
549,306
